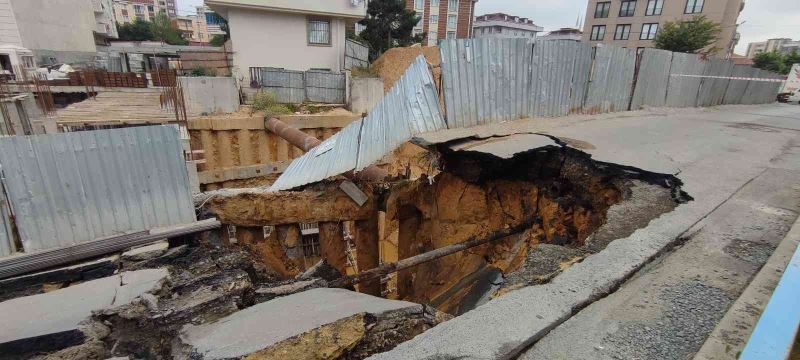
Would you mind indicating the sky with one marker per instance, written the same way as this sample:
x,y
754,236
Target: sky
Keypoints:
x,y
762,19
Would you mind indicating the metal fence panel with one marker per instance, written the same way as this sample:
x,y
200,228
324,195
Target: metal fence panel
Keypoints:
x,y
559,77
6,230
652,79
612,80
714,82
71,188
485,80
411,107
356,55
287,85
682,90
738,84
325,87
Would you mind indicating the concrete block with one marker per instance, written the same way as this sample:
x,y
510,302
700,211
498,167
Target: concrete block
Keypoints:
x,y
365,94
266,324
211,95
146,252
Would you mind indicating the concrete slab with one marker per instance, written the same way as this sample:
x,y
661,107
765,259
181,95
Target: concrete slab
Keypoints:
x,y
714,151
146,252
58,313
263,325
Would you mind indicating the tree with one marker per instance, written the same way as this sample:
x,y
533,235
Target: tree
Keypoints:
x,y
135,31
389,24
163,30
219,40
690,36
776,62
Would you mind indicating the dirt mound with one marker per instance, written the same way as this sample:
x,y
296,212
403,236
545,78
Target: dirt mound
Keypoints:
x,y
394,62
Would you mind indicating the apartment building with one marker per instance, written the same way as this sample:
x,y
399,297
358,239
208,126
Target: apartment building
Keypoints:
x,y
634,24
501,25
444,19
782,45
564,34
128,11
212,20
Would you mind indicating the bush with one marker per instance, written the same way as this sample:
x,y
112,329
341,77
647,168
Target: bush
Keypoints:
x,y
203,71
364,72
265,101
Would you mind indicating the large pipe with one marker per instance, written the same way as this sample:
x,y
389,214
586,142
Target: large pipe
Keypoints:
x,y
307,142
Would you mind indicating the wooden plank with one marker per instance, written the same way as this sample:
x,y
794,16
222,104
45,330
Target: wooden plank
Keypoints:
x,y
257,122
241,172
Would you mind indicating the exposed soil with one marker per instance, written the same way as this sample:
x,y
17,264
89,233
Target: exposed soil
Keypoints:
x,y
395,61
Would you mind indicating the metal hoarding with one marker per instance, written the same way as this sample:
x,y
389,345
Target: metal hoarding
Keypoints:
x,y
71,188
684,83
325,87
559,77
612,80
738,84
714,82
652,79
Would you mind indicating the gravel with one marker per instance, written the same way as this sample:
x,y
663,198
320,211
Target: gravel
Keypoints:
x,y
752,252
691,312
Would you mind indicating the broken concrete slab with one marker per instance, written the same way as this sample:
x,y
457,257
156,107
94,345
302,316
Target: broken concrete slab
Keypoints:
x,y
146,252
49,321
263,325
36,283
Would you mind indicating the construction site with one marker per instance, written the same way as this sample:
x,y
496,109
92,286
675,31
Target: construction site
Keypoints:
x,y
484,199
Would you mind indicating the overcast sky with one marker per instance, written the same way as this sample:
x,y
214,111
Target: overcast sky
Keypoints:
x,y
763,19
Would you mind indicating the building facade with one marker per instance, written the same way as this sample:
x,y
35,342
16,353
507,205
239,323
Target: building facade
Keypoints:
x,y
56,31
564,34
782,45
443,19
501,25
128,11
289,34
212,20
635,24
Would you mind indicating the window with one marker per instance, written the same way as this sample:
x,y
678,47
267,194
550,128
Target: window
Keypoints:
x,y
419,4
623,32
694,6
649,31
434,2
27,62
627,8
598,32
451,35
319,32
452,5
451,21
435,19
150,8
654,7
602,9
138,9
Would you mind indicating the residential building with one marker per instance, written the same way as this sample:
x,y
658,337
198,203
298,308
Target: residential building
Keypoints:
x,y
128,11
741,60
783,45
634,24
105,28
290,34
55,31
212,20
443,19
501,25
193,28
564,34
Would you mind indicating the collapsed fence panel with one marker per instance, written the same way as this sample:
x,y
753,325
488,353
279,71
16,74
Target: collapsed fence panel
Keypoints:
x,y
485,80
325,87
71,188
684,83
763,88
738,84
714,82
287,85
652,79
559,77
411,107
612,80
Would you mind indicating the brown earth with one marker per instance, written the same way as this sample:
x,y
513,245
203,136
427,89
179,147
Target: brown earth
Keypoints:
x,y
394,62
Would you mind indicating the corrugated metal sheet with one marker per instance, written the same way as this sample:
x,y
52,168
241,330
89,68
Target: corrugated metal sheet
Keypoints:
x,y
6,232
325,87
287,85
715,82
355,54
71,188
485,80
411,107
652,79
737,87
682,90
559,77
612,80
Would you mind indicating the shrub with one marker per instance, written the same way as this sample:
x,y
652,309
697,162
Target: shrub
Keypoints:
x,y
203,71
265,101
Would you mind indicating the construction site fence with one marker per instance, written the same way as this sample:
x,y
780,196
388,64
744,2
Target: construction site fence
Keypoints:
x,y
295,87
71,188
356,55
493,80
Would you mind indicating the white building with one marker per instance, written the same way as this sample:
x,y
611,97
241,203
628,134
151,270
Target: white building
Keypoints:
x,y
56,31
564,34
290,34
501,25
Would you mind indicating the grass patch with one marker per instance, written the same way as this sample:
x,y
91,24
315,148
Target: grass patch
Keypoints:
x,y
265,101
364,72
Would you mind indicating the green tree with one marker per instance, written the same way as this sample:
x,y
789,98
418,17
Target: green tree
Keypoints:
x,y
776,62
135,31
689,36
163,30
219,40
389,24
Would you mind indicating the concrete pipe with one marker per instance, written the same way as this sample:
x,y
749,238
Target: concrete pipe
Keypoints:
x,y
307,142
